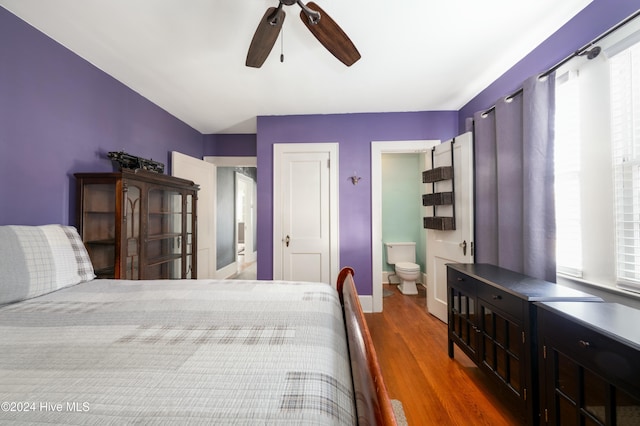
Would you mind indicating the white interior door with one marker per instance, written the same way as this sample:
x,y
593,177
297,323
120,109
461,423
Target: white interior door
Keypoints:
x,y
204,174
305,212
450,246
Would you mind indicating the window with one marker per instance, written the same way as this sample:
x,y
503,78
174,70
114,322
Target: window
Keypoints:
x,y
625,140
598,165
567,155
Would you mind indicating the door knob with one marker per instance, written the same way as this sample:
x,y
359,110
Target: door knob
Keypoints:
x,y
464,247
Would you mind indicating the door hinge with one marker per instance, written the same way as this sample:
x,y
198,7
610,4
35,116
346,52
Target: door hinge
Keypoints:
x,y
329,163
525,394
544,351
472,249
546,415
523,339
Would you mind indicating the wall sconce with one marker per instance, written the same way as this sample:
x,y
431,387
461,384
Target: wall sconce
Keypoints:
x,y
355,178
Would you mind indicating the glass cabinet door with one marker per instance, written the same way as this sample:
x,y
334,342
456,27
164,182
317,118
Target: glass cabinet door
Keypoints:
x,y
582,397
463,318
164,234
502,348
99,229
189,273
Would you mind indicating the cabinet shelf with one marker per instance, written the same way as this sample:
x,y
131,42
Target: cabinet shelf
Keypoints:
x,y
163,259
165,236
105,242
104,272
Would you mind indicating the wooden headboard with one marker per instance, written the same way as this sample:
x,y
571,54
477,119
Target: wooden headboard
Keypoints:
x,y
373,405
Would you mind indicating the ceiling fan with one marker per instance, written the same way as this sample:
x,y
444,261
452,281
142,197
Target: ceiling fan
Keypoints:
x,y
328,33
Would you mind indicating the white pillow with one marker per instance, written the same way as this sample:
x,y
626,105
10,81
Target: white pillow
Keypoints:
x,y
36,260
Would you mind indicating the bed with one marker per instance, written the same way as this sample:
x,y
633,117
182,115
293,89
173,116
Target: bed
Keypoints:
x,y
80,350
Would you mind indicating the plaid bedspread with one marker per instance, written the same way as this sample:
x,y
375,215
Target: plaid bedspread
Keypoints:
x,y
176,352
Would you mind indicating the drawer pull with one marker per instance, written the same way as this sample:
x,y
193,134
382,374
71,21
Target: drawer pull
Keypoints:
x,y
460,279
496,297
584,344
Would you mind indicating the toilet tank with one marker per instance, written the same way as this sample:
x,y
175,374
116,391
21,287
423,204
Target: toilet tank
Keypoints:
x,y
400,252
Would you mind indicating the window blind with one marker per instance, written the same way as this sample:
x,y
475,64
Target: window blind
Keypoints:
x,y
625,139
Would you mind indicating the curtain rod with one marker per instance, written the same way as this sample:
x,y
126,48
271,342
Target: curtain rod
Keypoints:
x,y
580,52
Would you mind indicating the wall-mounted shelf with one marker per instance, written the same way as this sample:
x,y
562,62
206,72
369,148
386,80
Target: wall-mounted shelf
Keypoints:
x,y
439,198
437,174
439,223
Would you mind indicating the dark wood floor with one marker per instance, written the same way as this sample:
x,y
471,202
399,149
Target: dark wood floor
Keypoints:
x,y
434,389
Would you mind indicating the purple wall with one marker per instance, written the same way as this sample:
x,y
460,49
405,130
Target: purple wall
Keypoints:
x,y
60,115
354,133
591,22
230,145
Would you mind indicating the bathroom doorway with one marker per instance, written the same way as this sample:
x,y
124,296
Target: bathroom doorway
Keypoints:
x,y
378,149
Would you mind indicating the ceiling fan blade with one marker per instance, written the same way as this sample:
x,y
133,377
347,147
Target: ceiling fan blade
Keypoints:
x,y
265,36
331,36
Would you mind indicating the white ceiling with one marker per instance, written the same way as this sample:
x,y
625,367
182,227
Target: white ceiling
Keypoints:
x,y
188,56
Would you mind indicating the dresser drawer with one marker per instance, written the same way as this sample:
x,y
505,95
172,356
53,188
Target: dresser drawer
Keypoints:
x,y
616,362
502,301
462,282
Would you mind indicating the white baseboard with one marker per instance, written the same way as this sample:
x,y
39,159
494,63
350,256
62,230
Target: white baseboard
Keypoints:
x,y
367,303
385,279
227,271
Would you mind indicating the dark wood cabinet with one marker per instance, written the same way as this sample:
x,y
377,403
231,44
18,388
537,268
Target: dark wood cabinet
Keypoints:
x,y
492,320
138,224
590,363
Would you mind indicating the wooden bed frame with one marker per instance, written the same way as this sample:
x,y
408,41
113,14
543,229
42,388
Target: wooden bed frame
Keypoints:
x,y
373,405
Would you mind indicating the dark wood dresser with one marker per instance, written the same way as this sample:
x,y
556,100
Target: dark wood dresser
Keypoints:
x,y
492,318
590,363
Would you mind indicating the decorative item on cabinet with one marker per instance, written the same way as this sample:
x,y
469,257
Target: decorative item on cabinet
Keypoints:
x,y
492,319
132,162
439,198
138,224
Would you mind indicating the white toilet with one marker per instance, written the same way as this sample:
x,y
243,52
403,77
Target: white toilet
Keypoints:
x,y
403,256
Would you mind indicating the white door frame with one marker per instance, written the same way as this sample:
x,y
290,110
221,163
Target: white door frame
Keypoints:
x,y
377,149
332,148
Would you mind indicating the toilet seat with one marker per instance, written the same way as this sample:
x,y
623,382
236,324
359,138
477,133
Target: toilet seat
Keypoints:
x,y
407,267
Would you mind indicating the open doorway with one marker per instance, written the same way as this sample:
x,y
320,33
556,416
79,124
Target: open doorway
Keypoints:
x,y
377,151
235,216
245,198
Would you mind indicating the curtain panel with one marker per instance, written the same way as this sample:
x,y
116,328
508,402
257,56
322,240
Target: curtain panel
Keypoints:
x,y
514,175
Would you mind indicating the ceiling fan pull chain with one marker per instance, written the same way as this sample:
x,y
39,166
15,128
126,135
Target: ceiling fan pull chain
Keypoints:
x,y
282,44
